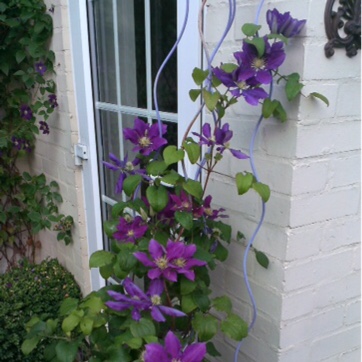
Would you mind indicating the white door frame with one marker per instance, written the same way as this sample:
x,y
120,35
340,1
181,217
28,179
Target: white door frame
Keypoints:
x,y
189,53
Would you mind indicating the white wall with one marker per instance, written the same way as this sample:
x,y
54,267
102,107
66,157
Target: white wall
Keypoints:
x,y
54,155
309,298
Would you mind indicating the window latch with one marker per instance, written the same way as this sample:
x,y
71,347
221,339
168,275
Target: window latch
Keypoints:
x,y
80,153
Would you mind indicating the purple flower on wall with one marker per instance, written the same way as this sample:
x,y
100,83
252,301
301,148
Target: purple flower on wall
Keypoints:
x,y
220,138
261,65
26,112
223,135
210,213
283,24
44,127
176,258
173,351
242,83
125,168
21,144
146,138
130,231
138,301
53,100
40,68
184,203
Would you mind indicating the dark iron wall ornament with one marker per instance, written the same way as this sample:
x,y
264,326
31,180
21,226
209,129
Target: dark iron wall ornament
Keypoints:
x,y
343,27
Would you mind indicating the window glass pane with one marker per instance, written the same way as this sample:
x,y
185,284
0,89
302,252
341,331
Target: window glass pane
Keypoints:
x,y
163,37
105,62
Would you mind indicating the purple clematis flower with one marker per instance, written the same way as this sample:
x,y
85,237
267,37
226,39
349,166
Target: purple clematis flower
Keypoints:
x,y
223,135
53,100
173,352
210,213
138,301
44,127
21,144
262,66
26,112
40,68
168,262
283,24
184,203
125,167
130,231
220,138
146,138
242,83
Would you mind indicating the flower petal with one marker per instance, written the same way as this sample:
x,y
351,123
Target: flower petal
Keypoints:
x,y
155,352
194,353
172,345
143,258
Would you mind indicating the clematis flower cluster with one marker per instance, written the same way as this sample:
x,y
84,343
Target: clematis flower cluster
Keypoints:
x,y
220,138
168,263
125,168
138,302
146,138
256,64
173,351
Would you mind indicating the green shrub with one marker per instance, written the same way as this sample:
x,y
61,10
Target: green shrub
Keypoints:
x,y
27,291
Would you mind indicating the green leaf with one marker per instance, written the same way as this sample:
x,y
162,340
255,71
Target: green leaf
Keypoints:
x,y
187,304
34,216
130,184
4,67
321,97
262,259
205,325
110,227
234,327
211,350
250,29
185,219
193,151
157,196
211,99
70,322
101,258
156,168
194,188
67,306
29,345
269,107
142,328
187,286
263,190
194,94
229,67
86,325
199,75
280,112
171,178
66,351
20,56
222,304
259,44
243,182
293,86
172,155
118,208
221,253
201,300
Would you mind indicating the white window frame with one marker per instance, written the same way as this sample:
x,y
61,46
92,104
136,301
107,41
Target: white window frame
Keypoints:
x,y
189,56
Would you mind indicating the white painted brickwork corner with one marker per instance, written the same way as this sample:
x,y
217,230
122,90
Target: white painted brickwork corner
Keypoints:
x,y
310,295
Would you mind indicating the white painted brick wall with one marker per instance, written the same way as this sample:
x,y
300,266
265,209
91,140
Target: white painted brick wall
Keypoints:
x,y
309,298
54,156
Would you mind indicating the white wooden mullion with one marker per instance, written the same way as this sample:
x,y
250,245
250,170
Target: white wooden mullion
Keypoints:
x,y
148,58
118,74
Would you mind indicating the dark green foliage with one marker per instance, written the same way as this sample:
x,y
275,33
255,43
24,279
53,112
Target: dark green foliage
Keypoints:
x,y
28,204
27,291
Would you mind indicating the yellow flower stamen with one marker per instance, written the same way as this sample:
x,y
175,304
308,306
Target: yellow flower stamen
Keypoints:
x,y
162,262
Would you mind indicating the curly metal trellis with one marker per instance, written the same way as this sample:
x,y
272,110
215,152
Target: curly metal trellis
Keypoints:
x,y
348,17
